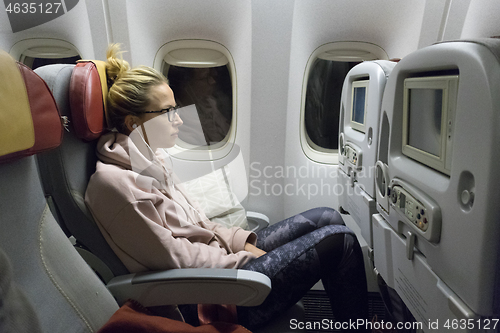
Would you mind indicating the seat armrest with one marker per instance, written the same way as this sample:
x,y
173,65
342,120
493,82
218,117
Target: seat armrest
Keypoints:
x,y
257,221
192,286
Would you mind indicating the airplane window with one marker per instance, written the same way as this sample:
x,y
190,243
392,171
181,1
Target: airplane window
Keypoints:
x,y
209,90
322,86
202,75
34,62
37,52
322,105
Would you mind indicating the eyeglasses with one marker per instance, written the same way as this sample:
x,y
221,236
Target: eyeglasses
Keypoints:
x,y
171,112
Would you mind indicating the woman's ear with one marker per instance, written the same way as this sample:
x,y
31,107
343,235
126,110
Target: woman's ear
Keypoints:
x,y
131,122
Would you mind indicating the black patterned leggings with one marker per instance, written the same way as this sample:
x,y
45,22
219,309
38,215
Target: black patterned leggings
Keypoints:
x,y
301,250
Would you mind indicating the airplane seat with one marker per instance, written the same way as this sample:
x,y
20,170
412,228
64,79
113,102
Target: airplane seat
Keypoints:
x,y
65,171
65,295
75,158
358,140
435,236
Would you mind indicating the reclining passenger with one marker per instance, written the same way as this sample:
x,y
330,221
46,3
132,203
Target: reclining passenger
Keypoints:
x,y
152,224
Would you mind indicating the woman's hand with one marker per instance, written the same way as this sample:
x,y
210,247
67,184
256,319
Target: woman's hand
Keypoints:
x,y
255,250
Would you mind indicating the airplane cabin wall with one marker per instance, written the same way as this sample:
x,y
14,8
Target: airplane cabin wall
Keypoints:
x,y
83,26
481,19
271,36
395,26
143,30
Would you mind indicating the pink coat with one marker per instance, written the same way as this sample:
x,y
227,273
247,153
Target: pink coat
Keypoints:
x,y
147,218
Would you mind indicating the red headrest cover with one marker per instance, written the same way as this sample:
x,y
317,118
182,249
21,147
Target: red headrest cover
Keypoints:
x,y
46,118
86,101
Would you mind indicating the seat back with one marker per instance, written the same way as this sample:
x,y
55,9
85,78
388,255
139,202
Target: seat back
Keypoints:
x,y
65,171
358,140
436,235
65,294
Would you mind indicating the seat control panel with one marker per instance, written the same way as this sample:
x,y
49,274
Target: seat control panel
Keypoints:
x,y
410,207
353,155
417,209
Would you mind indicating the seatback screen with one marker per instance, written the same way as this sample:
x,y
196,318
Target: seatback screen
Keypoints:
x,y
358,105
425,116
428,120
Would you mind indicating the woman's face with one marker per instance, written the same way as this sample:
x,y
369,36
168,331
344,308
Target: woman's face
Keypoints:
x,y
161,133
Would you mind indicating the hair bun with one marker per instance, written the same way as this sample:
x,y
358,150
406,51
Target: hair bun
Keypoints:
x,y
115,65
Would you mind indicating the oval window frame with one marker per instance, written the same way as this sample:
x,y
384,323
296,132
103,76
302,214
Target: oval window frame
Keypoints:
x,y
335,51
196,48
48,48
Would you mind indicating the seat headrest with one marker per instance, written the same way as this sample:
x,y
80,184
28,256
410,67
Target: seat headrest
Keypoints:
x,y
29,118
87,94
492,44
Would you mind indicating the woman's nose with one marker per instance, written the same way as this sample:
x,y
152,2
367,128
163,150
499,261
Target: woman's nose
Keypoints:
x,y
177,120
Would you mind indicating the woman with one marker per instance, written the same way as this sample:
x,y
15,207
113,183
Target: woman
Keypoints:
x,y
151,223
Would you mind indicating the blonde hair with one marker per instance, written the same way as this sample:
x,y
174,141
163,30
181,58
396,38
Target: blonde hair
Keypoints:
x,y
128,87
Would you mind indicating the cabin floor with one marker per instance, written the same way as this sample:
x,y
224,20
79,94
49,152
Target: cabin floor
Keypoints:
x,y
317,308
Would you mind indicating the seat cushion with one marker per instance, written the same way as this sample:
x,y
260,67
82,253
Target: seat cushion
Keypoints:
x,y
86,101
44,123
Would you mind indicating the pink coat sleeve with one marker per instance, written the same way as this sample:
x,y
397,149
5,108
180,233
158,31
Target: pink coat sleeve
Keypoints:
x,y
137,229
235,237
